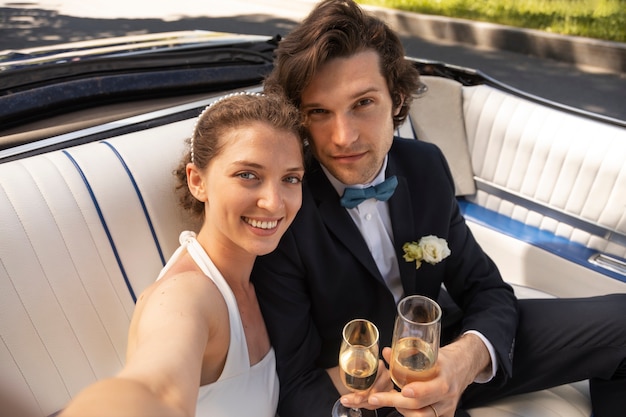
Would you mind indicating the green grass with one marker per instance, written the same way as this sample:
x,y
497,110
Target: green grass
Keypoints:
x,y
601,19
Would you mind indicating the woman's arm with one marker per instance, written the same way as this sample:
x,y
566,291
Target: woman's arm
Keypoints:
x,y
168,339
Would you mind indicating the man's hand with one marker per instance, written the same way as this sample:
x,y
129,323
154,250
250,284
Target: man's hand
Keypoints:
x,y
458,363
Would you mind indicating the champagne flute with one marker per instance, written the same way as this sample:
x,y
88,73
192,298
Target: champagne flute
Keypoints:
x,y
358,362
415,342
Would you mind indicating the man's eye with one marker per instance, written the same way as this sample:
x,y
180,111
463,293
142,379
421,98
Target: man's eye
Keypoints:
x,y
293,180
317,111
365,102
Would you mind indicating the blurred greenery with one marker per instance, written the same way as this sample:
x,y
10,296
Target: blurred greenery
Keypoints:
x,y
601,19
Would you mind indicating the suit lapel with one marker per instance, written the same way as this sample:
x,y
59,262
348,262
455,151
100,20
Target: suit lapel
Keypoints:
x,y
338,220
402,215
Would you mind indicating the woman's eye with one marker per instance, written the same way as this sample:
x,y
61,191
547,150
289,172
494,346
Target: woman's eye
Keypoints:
x,y
246,175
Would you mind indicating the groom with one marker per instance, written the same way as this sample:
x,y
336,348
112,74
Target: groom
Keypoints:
x,y
343,257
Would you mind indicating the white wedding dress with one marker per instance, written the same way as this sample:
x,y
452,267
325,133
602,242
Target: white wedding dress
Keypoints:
x,y
241,390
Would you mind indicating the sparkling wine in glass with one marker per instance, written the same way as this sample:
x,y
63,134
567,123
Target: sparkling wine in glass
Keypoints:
x,y
358,362
415,342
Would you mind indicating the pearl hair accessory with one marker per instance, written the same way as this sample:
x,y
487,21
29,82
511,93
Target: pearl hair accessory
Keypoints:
x,y
219,100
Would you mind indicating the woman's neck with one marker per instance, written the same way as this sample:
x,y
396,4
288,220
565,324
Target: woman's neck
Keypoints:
x,y
234,264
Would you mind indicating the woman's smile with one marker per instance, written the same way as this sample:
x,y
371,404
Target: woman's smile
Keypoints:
x,y
261,224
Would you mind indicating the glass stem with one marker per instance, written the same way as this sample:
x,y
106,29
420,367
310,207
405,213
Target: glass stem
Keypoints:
x,y
355,412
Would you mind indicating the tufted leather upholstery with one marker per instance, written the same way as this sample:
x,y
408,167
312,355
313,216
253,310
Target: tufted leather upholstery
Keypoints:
x,y
565,162
555,172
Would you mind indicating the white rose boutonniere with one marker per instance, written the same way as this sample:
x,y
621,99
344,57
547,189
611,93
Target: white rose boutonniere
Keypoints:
x,y
430,249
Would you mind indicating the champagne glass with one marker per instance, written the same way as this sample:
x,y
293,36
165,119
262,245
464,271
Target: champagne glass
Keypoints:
x,y
415,342
358,362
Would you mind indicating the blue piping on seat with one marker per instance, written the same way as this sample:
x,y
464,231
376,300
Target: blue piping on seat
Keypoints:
x,y
104,225
141,200
560,246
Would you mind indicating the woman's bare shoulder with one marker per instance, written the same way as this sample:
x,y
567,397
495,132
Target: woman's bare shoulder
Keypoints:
x,y
184,304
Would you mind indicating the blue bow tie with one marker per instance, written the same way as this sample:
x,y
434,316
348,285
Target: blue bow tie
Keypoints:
x,y
352,197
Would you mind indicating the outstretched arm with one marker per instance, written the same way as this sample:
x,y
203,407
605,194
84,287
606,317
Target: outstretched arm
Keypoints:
x,y
167,340
120,396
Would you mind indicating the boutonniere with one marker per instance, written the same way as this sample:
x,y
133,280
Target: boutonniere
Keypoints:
x,y
430,249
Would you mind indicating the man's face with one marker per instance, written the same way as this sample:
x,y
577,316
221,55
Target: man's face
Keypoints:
x,y
349,116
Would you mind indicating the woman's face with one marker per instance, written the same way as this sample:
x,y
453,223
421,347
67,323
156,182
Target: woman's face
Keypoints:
x,y
253,188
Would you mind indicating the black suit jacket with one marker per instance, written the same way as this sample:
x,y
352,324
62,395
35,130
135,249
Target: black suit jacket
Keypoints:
x,y
322,275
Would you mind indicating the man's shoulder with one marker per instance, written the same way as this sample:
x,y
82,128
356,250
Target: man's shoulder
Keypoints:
x,y
401,145
415,153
